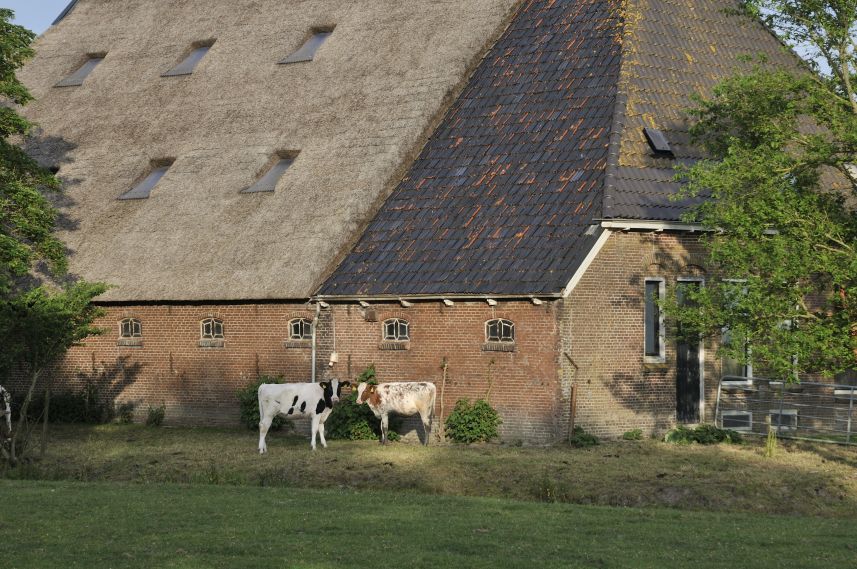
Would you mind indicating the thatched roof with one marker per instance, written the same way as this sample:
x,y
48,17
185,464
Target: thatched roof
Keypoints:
x,y
358,114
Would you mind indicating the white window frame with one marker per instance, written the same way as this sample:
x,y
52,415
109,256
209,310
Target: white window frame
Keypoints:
x,y
399,324
792,412
748,367
662,344
733,413
303,321
214,335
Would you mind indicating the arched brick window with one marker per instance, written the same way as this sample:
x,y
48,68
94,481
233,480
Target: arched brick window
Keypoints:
x,y
211,329
300,329
500,330
130,328
396,330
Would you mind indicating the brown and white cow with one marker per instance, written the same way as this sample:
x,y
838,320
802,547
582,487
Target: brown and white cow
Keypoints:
x,y
314,401
402,398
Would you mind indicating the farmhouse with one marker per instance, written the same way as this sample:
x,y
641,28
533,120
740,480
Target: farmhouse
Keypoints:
x,y
475,194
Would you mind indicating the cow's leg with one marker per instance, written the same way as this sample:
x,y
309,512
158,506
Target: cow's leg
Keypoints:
x,y
316,420
321,434
384,425
264,425
425,415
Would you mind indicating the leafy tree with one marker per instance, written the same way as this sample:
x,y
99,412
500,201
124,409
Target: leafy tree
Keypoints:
x,y
782,149
37,325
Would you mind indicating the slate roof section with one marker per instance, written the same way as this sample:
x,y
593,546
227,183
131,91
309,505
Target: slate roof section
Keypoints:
x,y
671,50
500,197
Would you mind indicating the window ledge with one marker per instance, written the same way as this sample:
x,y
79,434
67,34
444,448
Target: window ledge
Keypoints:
x,y
211,343
739,385
655,360
844,393
130,342
498,347
304,344
395,345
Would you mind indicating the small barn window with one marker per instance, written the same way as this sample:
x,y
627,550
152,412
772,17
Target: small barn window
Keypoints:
x,y
189,63
737,420
396,330
144,188
131,328
130,333
76,79
785,420
653,321
310,46
211,328
500,330
268,181
300,329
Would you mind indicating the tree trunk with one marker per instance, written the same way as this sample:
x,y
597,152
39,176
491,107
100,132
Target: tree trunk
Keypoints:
x,y
22,420
45,423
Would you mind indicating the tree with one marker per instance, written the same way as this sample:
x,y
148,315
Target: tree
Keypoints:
x,y
781,175
37,325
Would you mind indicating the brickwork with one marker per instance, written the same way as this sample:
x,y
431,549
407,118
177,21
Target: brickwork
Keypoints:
x,y
602,322
198,384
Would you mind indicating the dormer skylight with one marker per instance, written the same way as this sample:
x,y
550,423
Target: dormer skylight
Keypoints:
x,y
658,142
76,78
189,63
310,46
145,186
268,181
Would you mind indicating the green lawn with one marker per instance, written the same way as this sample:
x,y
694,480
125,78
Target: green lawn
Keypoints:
x,y
92,525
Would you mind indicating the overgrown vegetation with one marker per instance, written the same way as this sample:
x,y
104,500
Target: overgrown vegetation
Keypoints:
x,y
352,422
472,422
703,434
125,413
155,416
783,149
633,435
580,438
87,405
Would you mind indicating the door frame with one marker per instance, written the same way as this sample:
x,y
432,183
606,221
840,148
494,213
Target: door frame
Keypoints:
x,y
701,349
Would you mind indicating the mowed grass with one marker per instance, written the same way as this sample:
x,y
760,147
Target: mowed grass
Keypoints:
x,y
804,480
94,525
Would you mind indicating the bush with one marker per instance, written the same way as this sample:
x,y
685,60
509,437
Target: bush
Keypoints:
x,y
633,435
125,413
472,422
580,438
703,434
248,400
155,416
353,422
84,406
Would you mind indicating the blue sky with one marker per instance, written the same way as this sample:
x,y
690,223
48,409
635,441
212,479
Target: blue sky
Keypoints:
x,y
35,15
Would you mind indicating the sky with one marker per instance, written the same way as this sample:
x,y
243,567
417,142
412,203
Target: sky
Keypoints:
x,y
35,15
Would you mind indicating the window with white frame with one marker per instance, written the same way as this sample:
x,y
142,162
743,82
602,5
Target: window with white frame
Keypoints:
x,y
300,329
737,420
396,330
500,330
211,329
733,371
653,320
784,419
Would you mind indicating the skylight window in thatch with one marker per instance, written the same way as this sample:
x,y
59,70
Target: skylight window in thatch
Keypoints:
x,y
188,64
659,143
76,78
268,181
310,46
144,188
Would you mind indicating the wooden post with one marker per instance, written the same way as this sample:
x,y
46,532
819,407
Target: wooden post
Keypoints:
x,y
442,430
572,410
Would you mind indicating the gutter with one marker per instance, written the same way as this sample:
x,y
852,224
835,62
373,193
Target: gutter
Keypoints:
x,y
458,296
647,225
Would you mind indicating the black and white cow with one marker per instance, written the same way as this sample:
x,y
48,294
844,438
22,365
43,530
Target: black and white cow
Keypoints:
x,y
6,409
402,398
314,401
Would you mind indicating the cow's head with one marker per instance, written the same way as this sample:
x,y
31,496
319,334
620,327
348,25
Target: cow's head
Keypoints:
x,y
365,391
333,390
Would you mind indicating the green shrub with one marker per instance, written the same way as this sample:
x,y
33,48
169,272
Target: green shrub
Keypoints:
x,y
155,416
84,406
703,434
353,422
248,400
125,413
472,422
633,435
580,438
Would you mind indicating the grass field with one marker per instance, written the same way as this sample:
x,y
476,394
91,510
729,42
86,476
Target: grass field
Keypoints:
x,y
94,525
803,479
131,496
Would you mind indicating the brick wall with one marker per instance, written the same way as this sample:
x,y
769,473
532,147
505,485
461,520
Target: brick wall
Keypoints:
x,y
602,335
198,384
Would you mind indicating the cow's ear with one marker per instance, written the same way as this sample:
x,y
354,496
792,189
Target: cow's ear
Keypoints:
x,y
324,385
